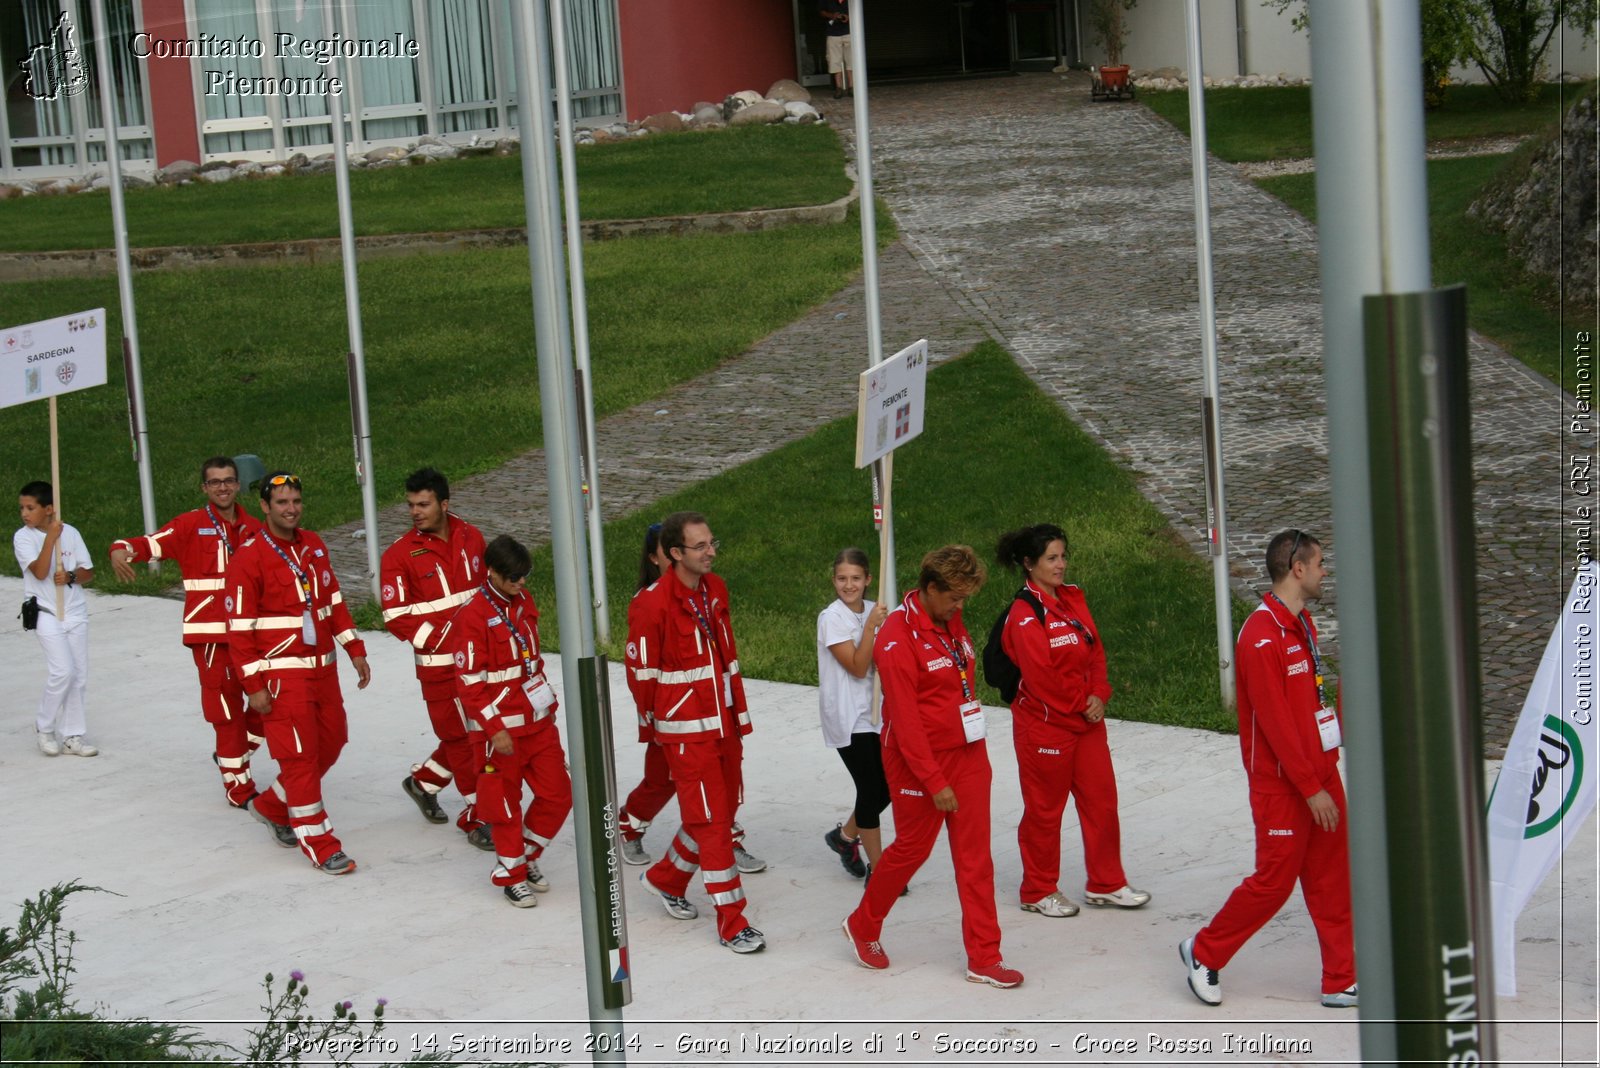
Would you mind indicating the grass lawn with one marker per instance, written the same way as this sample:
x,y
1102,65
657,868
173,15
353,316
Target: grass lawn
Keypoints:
x,y
1514,309
968,478
253,360
663,174
1249,125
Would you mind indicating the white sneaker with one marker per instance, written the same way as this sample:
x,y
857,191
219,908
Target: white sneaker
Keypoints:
x,y
1341,999
633,852
749,865
536,878
1205,982
76,746
1057,905
48,744
1125,898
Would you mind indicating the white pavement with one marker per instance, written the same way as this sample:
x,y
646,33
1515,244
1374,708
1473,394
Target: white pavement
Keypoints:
x,y
205,903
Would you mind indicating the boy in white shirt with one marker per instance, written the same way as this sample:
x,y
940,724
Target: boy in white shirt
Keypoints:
x,y
65,640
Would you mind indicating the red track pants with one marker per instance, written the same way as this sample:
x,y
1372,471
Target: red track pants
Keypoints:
x,y
1289,847
238,730
649,797
1053,765
709,777
537,760
916,824
455,758
305,732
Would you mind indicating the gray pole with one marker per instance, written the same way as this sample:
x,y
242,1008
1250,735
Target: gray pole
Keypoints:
x,y
594,788
356,355
882,470
1211,402
580,320
1420,960
132,368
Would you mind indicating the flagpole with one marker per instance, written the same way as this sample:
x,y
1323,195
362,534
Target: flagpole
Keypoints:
x,y
132,366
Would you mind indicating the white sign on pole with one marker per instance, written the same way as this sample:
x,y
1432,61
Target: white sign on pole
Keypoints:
x,y
890,402
52,357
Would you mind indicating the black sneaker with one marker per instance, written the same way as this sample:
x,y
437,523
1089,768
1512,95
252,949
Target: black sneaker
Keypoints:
x,y
521,895
338,864
427,802
480,837
849,851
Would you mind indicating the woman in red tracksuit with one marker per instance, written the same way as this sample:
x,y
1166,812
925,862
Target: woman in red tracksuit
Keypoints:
x,y
936,762
1058,726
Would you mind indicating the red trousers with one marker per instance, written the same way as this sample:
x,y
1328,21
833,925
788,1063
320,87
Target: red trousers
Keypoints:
x,y
536,759
649,797
709,777
455,757
238,730
1053,765
1289,847
305,732
916,825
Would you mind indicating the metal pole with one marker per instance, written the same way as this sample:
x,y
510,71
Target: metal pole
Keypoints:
x,y
1211,400
1373,234
130,322
356,368
882,470
580,321
599,871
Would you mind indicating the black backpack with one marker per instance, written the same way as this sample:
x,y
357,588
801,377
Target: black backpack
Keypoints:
x,y
998,669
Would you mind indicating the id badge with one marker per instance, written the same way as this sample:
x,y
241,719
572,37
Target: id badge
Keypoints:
x,y
539,692
972,721
1328,728
308,628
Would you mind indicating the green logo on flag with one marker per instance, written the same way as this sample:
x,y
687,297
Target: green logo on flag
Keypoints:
x,y
1559,746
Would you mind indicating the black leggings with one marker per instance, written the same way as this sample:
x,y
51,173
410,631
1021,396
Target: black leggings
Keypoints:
x,y
864,759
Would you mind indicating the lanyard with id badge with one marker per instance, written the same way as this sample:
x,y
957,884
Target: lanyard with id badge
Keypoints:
x,y
1327,718
308,622
972,722
534,683
702,618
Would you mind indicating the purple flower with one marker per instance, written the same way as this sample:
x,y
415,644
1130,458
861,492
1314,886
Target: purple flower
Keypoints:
x,y
297,975
348,1005
383,1001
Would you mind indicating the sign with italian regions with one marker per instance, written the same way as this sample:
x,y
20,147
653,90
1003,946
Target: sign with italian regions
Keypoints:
x,y
890,403
51,357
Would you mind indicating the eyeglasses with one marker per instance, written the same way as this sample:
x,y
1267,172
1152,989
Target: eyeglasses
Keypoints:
x,y
715,545
284,480
218,483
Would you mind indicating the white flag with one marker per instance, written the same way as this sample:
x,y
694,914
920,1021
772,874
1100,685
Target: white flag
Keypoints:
x,y
1546,787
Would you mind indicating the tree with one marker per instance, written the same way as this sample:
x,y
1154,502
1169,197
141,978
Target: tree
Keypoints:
x,y
1446,37
1105,23
1509,39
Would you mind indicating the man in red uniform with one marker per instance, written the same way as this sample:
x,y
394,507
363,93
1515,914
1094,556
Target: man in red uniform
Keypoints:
x,y
511,708
284,614
202,542
1290,742
683,668
936,762
429,572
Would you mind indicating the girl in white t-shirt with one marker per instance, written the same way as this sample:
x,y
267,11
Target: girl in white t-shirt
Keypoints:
x,y
845,630
62,634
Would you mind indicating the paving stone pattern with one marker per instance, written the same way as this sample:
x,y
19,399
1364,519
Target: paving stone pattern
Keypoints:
x,y
1065,230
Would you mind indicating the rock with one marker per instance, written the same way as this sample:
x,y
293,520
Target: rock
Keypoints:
x,y
177,171
707,117
100,181
432,150
758,114
662,122
216,174
785,91
247,169
273,170
1544,201
320,165
13,192
600,135
385,152
296,161
700,105
1167,72
480,148
431,139
507,147
136,181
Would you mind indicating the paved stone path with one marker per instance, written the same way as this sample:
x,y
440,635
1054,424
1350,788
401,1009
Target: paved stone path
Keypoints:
x,y
1065,230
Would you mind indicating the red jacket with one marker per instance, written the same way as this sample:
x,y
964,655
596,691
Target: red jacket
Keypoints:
x,y
424,579
266,609
200,543
686,688
493,677
1278,703
1061,666
922,686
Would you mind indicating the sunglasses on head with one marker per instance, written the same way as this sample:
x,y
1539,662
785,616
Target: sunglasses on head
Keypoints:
x,y
284,480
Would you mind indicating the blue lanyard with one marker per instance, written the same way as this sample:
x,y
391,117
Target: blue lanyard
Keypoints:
x,y
703,618
305,583
522,643
222,531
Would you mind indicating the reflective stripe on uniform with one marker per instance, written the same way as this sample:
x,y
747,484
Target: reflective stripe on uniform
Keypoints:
x,y
288,663
265,622
433,659
205,628
427,608
204,583
678,678
687,726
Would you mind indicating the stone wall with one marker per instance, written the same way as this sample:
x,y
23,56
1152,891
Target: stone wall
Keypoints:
x,y
1545,203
